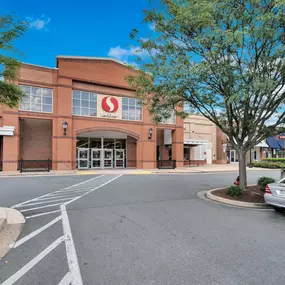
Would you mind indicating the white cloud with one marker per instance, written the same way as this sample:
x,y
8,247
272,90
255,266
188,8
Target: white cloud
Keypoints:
x,y
39,23
127,55
151,26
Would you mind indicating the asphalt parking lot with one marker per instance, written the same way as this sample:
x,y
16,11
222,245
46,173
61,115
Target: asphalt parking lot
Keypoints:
x,y
139,229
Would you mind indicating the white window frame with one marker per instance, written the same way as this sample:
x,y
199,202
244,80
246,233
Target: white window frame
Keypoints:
x,y
135,106
80,100
42,104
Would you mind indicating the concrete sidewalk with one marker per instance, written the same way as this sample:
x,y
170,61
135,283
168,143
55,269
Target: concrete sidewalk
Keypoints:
x,y
195,169
11,225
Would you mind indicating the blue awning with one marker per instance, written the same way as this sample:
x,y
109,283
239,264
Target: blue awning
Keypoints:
x,y
281,143
273,143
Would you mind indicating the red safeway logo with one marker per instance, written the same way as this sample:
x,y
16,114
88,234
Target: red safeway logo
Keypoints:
x,y
110,104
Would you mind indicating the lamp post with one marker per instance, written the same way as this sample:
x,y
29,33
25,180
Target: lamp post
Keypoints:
x,y
64,126
150,132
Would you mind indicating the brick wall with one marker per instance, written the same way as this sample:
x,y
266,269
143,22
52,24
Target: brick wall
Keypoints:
x,y
131,152
36,139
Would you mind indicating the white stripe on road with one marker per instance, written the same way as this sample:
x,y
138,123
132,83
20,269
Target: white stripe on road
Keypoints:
x,y
66,279
41,207
15,277
34,233
44,202
96,188
85,181
50,198
72,260
42,214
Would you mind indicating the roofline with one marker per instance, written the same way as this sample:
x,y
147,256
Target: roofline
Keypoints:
x,y
41,66
90,58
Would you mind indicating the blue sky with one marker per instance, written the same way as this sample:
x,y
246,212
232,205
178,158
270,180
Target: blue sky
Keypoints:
x,y
79,28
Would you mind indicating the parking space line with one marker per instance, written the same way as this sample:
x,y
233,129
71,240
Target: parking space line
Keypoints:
x,y
72,260
42,214
66,280
41,207
16,276
34,233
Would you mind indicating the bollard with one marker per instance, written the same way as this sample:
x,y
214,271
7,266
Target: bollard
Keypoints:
x,y
282,173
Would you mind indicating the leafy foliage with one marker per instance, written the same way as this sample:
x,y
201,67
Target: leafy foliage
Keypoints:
x,y
263,181
10,93
225,59
234,191
268,164
282,160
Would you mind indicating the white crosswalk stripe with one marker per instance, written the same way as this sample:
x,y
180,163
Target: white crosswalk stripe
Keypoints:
x,y
50,204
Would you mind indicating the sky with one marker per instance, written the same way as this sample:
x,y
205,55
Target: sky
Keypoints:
x,y
97,28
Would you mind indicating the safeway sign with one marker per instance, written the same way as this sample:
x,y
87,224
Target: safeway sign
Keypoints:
x,y
109,107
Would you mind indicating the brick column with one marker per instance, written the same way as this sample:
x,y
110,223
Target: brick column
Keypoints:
x,y
178,146
63,151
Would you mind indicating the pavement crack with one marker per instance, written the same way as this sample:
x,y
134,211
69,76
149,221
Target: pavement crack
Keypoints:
x,y
124,217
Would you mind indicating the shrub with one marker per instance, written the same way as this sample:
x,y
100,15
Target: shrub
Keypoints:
x,y
234,191
268,164
282,160
263,181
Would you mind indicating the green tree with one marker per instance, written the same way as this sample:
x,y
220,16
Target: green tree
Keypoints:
x,y
223,58
10,94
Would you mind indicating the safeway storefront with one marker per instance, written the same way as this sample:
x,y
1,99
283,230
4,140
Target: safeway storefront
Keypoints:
x,y
84,115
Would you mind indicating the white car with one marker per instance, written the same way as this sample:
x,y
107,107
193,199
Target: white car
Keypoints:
x,y
275,195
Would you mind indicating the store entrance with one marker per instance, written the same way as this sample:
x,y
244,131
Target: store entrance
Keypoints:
x,y
99,153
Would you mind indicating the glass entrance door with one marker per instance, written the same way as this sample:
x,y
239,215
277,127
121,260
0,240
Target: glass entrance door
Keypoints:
x,y
83,158
96,158
233,156
119,158
108,158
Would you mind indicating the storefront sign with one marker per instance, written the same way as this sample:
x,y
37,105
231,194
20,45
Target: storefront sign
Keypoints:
x,y
110,104
109,107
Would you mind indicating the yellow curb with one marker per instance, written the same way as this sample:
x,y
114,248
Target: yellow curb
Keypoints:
x,y
86,172
142,172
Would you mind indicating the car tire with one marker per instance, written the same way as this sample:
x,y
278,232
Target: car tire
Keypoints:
x,y
279,209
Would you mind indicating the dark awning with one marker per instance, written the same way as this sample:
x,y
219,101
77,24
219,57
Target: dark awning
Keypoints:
x,y
273,143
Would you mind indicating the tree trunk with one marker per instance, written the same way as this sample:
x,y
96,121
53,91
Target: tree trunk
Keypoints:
x,y
242,169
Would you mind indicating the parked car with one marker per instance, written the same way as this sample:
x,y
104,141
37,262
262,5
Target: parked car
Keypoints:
x,y
275,195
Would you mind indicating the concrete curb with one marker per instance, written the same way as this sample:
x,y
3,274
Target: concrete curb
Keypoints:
x,y
189,170
234,203
11,225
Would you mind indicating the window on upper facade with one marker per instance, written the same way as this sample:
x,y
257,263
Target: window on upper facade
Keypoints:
x,y
84,103
132,109
170,120
37,100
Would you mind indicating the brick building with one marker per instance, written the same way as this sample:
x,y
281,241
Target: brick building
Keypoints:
x,y
106,126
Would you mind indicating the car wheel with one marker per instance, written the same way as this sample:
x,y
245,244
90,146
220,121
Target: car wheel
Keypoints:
x,y
279,209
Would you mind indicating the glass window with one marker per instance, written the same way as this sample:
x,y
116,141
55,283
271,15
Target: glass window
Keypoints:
x,y
132,109
125,101
84,112
170,120
75,111
47,108
37,99
84,103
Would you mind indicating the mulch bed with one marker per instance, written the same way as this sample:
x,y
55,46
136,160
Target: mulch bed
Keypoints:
x,y
252,195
